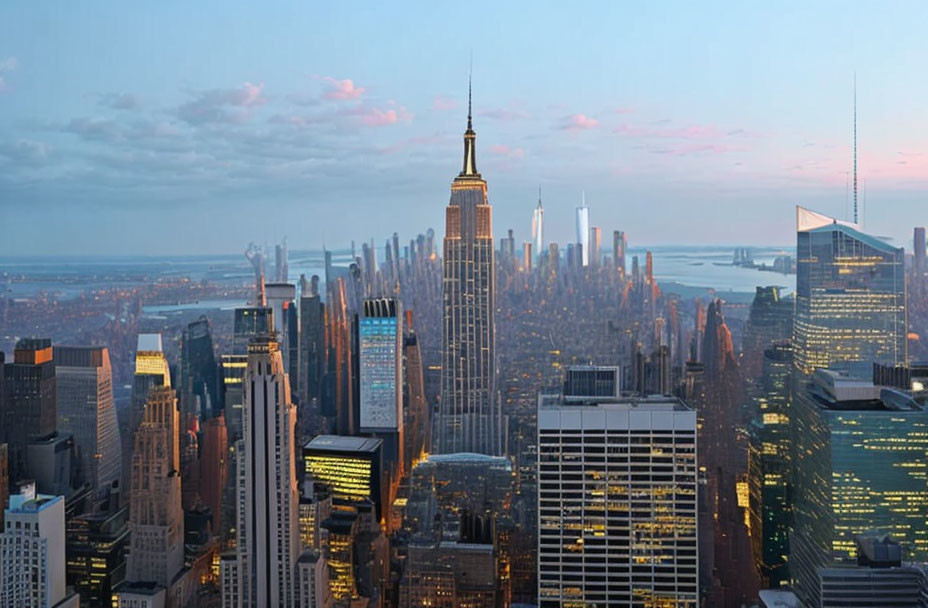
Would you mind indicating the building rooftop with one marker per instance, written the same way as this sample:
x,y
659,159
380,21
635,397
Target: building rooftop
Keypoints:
x,y
343,443
848,389
651,403
27,503
468,458
149,342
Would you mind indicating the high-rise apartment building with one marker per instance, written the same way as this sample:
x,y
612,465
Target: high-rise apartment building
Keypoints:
x,y
469,408
769,320
263,571
850,295
32,553
312,348
29,409
617,483
85,407
156,519
859,461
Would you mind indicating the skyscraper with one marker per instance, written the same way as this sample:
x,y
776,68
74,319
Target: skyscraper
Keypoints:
x,y
85,410
264,570
156,519
350,467
538,227
583,232
199,371
617,483
596,243
469,410
32,555
859,461
29,409
850,295
381,380
618,250
769,457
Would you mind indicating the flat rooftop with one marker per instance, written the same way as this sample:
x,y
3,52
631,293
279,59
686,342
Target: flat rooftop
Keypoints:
x,y
343,443
652,403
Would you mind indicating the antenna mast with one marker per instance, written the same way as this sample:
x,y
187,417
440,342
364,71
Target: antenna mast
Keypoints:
x,y
855,147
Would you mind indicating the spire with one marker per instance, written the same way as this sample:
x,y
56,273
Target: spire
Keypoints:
x,y
470,89
470,139
855,147
539,197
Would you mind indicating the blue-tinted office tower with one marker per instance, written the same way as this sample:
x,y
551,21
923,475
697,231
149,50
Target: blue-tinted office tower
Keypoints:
x,y
859,466
381,377
850,295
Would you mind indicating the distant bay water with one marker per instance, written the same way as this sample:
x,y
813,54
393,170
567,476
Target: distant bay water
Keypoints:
x,y
681,268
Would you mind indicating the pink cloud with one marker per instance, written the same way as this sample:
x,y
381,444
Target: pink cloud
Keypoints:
x,y
214,106
579,122
376,117
442,103
342,90
504,150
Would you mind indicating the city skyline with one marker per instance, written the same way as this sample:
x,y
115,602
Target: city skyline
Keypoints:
x,y
305,119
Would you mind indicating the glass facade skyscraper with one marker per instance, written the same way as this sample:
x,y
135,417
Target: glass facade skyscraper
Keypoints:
x,y
850,295
860,452
381,370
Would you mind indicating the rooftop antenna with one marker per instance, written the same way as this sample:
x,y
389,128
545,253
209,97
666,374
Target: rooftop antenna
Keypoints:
x,y
470,79
855,147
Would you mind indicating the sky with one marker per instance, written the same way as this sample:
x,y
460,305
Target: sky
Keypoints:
x,y
194,128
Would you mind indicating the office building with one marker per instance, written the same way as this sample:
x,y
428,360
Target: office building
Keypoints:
x,y
32,552
769,457
4,478
769,320
29,408
596,244
469,414
618,250
97,544
312,348
86,411
156,519
248,323
850,295
417,424
263,571
214,454
233,376
350,467
879,578
151,370
859,466
314,581
919,251
617,485
450,574
583,233
381,381
200,390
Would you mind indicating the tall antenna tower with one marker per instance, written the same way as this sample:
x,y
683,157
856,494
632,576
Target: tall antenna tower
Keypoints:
x,y
855,147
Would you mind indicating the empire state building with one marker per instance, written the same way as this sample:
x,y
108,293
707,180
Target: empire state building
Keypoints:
x,y
469,414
